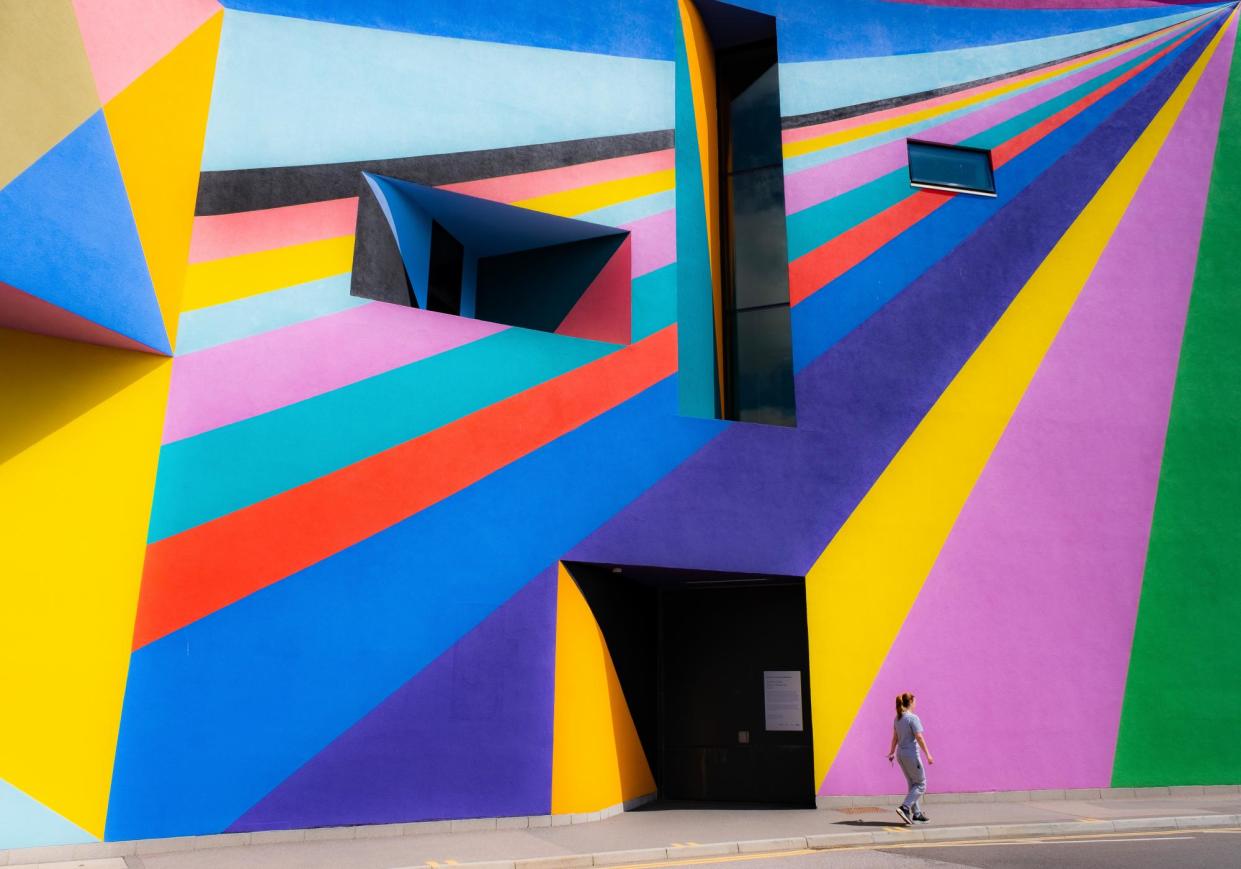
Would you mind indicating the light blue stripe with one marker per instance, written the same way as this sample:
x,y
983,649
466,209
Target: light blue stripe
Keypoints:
x,y
27,823
290,91
837,152
814,86
220,324
633,209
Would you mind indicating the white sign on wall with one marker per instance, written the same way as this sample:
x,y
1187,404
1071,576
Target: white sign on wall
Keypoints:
x,y
782,699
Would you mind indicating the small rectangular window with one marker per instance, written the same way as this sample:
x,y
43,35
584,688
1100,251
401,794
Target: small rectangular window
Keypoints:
x,y
951,168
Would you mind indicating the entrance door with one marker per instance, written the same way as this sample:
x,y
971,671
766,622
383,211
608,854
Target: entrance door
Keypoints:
x,y
728,652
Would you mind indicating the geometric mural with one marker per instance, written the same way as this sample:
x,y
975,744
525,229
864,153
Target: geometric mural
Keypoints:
x,y
282,556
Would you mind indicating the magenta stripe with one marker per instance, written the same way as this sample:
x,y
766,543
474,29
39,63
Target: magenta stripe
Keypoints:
x,y
654,241
820,183
1018,645
221,385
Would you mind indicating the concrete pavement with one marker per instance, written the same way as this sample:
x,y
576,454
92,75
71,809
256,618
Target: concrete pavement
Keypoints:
x,y
660,833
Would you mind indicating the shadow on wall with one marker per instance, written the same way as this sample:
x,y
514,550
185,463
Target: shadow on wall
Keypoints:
x,y
50,382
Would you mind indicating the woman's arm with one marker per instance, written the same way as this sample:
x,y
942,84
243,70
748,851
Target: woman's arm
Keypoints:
x,y
922,741
892,747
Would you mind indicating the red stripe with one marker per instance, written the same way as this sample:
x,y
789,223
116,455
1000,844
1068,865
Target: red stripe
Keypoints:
x,y
813,271
199,571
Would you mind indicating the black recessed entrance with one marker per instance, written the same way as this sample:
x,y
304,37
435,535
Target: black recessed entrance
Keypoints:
x,y
715,669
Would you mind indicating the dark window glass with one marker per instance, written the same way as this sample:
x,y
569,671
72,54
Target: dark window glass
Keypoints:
x,y
444,275
762,378
950,167
750,93
755,204
758,346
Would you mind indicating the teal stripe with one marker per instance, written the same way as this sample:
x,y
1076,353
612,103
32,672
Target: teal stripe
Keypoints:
x,y
224,470
815,225
696,376
846,149
220,324
813,86
654,301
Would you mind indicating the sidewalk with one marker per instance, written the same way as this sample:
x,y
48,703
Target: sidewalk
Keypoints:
x,y
656,833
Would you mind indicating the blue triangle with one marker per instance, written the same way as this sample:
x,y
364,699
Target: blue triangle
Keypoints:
x,y
70,239
27,823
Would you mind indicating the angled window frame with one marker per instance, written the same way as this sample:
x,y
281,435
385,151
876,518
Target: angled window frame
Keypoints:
x,y
949,187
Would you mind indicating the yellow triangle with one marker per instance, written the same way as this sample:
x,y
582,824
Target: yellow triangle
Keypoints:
x,y
77,477
597,758
158,124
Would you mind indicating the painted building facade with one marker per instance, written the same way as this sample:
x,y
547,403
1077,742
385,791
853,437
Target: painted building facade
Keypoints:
x,y
276,553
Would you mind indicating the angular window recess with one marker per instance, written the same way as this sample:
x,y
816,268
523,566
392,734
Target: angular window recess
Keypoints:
x,y
428,248
734,79
951,168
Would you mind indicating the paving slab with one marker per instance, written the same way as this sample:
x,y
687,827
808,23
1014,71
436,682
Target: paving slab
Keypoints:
x,y
655,833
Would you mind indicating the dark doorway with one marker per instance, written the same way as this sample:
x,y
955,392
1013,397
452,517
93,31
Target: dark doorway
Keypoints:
x,y
715,670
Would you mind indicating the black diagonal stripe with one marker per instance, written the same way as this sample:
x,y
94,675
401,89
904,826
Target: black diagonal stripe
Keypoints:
x,y
230,191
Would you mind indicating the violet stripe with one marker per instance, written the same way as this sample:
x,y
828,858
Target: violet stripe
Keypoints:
x,y
1054,535
232,382
820,183
654,242
797,134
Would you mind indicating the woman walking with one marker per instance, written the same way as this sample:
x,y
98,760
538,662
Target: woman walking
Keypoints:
x,y
907,738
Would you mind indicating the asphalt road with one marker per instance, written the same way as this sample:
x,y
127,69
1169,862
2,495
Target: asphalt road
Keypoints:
x,y
1213,849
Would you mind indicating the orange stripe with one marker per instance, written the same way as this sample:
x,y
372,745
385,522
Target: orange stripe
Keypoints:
x,y
199,571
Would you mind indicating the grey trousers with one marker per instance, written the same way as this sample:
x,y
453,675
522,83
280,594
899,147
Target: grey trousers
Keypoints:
x,y
915,775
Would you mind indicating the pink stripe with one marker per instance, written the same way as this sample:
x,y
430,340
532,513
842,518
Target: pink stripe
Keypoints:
x,y
820,183
800,133
513,188
654,241
255,375
1018,645
222,235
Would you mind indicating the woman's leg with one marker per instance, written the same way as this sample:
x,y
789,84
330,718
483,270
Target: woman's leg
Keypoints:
x,y
915,775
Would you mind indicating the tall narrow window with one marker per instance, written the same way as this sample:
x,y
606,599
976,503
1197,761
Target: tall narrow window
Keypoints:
x,y
735,83
445,271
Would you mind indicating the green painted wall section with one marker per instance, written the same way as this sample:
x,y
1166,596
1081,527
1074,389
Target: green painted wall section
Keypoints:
x,y
1181,721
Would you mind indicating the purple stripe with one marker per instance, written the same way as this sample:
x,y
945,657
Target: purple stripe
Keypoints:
x,y
820,183
858,402
1053,537
232,382
470,736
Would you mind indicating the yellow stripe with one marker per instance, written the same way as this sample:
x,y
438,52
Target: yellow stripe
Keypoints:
x,y
236,277
863,586
569,203
805,146
78,451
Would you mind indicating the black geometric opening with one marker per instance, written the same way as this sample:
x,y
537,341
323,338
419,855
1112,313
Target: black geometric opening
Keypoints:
x,y
442,251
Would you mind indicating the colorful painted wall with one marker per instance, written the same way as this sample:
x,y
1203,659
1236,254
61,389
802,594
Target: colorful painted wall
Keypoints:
x,y
275,555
